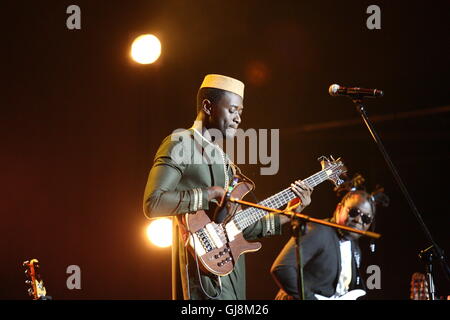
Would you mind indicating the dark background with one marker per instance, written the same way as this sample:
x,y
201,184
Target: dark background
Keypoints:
x,y
80,124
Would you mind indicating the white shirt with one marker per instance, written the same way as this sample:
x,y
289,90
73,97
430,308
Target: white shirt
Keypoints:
x,y
346,268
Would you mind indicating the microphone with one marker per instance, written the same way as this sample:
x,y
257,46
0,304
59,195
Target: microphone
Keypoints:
x,y
337,90
221,211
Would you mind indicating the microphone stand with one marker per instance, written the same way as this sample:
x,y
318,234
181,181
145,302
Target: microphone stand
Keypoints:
x,y
298,231
298,227
438,252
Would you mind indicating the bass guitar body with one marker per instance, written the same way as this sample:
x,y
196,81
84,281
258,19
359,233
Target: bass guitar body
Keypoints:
x,y
218,246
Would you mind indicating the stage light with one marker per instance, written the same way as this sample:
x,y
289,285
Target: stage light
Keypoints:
x,y
146,49
159,232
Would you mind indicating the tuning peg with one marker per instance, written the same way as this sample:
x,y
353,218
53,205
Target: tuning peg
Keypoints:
x,y
25,263
339,181
30,292
335,160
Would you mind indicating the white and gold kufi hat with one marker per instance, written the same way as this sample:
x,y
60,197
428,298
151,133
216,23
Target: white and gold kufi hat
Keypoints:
x,y
225,83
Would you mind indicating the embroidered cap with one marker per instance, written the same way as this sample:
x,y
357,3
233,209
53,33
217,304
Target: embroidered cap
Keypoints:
x,y
225,83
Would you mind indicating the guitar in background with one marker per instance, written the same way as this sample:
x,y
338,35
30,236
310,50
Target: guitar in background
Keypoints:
x,y
351,295
37,289
419,287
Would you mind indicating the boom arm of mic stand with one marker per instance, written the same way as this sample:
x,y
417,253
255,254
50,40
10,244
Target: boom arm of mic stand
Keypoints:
x,y
307,218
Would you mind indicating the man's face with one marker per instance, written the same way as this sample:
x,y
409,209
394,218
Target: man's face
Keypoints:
x,y
226,114
356,213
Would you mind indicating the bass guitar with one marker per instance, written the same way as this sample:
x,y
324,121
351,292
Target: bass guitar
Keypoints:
x,y
219,245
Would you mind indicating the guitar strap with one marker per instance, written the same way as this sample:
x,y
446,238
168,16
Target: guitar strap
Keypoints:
x,y
237,172
234,168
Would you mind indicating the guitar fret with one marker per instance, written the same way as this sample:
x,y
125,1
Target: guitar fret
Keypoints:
x,y
250,215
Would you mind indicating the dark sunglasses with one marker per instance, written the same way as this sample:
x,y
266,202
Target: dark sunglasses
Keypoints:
x,y
354,212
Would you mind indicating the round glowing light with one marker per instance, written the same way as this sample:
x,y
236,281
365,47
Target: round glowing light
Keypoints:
x,y
159,232
146,49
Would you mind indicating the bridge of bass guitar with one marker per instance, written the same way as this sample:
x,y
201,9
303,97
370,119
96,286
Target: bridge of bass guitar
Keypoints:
x,y
221,261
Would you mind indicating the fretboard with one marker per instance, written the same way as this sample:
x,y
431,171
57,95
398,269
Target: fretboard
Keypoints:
x,y
249,216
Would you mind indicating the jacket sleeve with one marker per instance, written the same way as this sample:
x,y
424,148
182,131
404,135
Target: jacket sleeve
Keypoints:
x,y
284,269
161,197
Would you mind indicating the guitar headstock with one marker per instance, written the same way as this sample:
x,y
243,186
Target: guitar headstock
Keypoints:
x,y
333,168
37,289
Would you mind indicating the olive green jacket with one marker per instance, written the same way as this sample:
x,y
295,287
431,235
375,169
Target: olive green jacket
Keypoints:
x,y
184,167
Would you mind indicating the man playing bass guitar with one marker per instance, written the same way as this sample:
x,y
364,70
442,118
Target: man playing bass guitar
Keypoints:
x,y
176,188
